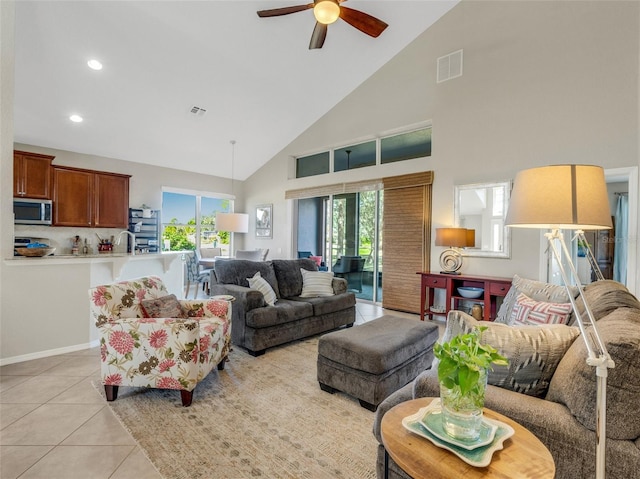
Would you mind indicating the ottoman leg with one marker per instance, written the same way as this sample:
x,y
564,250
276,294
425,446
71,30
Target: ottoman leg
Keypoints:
x,y
327,389
368,405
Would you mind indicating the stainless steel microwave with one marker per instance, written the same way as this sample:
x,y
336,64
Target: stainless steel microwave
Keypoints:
x,y
27,211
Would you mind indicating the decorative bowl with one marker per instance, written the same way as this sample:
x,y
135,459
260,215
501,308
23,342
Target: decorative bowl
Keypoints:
x,y
35,251
470,292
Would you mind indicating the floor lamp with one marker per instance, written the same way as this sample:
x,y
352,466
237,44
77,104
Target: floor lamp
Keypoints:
x,y
569,197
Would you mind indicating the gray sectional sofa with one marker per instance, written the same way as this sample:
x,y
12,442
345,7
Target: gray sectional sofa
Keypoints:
x,y
563,415
256,325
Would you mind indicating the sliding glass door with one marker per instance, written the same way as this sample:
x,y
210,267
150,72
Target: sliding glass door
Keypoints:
x,y
345,229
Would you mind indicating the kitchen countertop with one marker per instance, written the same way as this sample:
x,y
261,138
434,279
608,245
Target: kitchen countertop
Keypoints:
x,y
92,256
118,260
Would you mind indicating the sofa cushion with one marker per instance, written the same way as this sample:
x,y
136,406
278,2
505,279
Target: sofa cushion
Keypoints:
x,y
574,383
288,275
533,351
529,311
537,290
284,311
329,304
261,284
316,284
236,271
603,297
163,307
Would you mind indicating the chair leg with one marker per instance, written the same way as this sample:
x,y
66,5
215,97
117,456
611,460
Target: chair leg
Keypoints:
x,y
111,392
186,295
221,363
187,397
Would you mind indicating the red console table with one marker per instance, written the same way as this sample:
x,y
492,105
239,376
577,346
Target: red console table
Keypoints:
x,y
493,288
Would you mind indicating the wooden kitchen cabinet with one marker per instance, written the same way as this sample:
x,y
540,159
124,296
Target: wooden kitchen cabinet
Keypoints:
x,y
111,196
31,175
90,198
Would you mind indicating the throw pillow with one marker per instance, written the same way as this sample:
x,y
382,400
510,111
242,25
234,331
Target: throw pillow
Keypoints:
x,y
163,307
528,311
537,290
316,283
533,351
261,284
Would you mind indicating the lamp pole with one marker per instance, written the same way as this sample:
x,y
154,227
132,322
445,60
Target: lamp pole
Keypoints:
x,y
597,354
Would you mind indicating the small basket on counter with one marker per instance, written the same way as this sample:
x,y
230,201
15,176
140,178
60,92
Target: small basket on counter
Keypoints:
x,y
35,252
105,248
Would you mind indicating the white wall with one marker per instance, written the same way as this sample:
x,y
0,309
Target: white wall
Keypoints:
x,y
543,83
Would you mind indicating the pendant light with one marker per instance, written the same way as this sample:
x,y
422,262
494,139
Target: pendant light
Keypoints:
x,y
232,222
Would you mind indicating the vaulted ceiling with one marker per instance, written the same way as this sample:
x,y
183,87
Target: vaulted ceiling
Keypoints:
x,y
256,78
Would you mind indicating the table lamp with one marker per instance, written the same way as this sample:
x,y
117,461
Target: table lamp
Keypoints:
x,y
569,197
453,238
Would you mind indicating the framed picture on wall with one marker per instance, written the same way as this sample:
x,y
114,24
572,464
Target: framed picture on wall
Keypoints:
x,y
263,221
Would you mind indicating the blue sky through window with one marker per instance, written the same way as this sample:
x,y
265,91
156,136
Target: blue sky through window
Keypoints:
x,y
183,207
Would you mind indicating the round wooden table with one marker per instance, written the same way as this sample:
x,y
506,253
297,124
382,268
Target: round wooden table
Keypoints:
x,y
523,455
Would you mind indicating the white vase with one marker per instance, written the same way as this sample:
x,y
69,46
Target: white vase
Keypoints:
x,y
462,414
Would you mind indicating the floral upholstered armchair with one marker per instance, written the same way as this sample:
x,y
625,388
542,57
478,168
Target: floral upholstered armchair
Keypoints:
x,y
148,338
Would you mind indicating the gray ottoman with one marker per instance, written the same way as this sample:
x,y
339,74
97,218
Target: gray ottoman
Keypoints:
x,y
373,360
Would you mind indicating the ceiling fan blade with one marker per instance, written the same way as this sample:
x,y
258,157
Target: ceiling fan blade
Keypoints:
x,y
276,12
362,21
318,36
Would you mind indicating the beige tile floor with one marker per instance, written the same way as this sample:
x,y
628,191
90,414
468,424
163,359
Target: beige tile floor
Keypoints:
x,y
54,424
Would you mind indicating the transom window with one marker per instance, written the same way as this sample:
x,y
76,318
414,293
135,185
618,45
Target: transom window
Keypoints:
x,y
397,147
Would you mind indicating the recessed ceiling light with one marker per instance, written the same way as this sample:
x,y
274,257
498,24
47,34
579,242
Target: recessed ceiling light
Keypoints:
x,y
94,65
75,118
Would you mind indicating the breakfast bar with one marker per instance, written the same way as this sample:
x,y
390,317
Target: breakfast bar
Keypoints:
x,y
51,296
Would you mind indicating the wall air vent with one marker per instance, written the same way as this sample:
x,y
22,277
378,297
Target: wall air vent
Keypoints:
x,y
197,111
450,66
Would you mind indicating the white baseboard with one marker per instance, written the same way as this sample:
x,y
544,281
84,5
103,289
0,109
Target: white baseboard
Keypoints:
x,y
48,353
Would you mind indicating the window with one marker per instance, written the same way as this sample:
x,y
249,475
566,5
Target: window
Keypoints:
x,y
188,221
398,147
405,146
355,156
312,165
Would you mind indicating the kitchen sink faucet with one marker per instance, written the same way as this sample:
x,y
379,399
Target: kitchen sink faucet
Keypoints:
x,y
133,240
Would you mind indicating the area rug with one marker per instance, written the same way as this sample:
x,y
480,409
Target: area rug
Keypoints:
x,y
263,417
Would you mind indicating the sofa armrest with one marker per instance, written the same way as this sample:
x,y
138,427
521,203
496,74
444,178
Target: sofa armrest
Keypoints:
x,y
400,396
246,298
339,285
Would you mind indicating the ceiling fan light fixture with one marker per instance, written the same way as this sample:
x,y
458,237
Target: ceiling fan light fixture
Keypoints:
x,y
326,11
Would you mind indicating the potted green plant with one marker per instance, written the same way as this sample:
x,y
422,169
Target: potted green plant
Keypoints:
x,y
462,372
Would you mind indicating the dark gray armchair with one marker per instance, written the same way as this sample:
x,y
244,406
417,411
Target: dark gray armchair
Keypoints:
x,y
350,268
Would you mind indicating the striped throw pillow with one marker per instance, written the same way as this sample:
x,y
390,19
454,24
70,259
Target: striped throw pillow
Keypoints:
x,y
261,284
316,283
552,293
530,311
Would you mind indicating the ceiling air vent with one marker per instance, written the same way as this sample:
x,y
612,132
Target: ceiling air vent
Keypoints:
x,y
450,66
197,111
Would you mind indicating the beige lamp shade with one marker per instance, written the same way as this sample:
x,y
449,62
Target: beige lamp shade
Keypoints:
x,y
560,197
232,222
471,238
456,237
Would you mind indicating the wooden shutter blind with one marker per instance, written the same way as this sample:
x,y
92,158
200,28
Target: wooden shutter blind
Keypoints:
x,y
406,239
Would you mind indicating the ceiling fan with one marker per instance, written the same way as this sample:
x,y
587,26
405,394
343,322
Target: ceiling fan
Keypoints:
x,y
327,12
